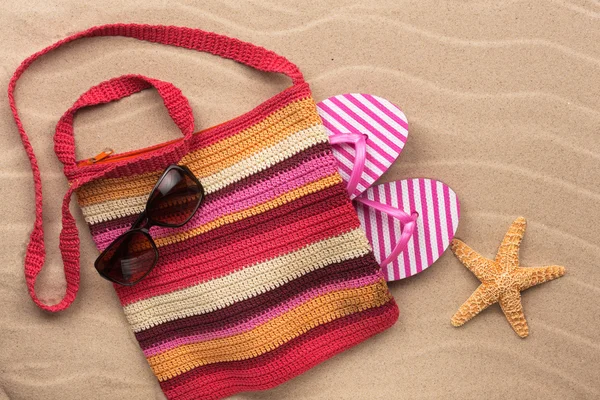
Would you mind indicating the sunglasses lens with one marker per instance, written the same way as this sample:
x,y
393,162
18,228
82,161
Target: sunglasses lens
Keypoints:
x,y
128,259
175,198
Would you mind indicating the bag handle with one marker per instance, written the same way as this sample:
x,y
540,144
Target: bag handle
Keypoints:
x,y
195,39
177,105
105,92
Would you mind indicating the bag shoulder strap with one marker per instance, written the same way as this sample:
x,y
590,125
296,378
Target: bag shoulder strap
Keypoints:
x,y
178,106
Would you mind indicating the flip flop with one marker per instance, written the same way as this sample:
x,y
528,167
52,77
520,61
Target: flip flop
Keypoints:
x,y
369,134
409,223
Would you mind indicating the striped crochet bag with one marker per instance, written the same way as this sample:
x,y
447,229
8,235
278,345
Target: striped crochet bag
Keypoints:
x,y
271,276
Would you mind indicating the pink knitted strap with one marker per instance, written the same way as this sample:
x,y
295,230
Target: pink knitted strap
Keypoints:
x,y
195,39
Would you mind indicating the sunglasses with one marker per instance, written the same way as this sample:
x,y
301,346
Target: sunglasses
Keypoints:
x,y
172,203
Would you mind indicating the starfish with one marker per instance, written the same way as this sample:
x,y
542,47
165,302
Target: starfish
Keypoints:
x,y
502,279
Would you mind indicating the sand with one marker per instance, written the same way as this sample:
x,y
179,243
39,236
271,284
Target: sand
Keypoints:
x,y
503,106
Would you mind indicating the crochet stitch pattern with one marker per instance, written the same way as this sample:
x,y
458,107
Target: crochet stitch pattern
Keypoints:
x,y
262,264
273,274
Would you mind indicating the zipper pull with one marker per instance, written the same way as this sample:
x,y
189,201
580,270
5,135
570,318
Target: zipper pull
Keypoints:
x,y
99,157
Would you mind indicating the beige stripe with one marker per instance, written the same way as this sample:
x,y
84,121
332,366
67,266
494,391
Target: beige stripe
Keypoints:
x,y
246,283
268,157
299,141
235,148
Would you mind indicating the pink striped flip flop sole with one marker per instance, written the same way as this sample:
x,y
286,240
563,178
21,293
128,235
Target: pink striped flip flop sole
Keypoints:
x,y
381,122
435,209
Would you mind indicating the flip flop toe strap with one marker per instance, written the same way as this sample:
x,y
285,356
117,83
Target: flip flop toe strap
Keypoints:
x,y
408,226
359,140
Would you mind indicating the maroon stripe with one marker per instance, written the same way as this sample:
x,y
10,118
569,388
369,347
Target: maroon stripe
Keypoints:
x,y
309,205
319,150
250,308
107,226
288,360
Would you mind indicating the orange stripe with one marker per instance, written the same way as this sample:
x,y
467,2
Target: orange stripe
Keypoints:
x,y
206,161
272,334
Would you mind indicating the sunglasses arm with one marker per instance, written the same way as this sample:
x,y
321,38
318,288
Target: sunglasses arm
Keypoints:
x,y
141,221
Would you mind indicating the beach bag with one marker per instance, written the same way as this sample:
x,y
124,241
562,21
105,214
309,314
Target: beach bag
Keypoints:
x,y
271,276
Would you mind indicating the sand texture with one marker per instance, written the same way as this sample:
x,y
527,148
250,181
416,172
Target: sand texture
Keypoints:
x,y
503,103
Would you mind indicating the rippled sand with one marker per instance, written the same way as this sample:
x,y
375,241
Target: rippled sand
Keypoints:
x,y
503,103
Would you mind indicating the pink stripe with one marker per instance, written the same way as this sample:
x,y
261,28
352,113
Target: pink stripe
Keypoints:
x,y
335,116
386,111
343,155
350,157
376,117
428,238
265,317
348,126
448,207
340,154
326,123
364,123
422,260
379,226
395,270
372,156
374,159
415,238
404,207
305,173
436,215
